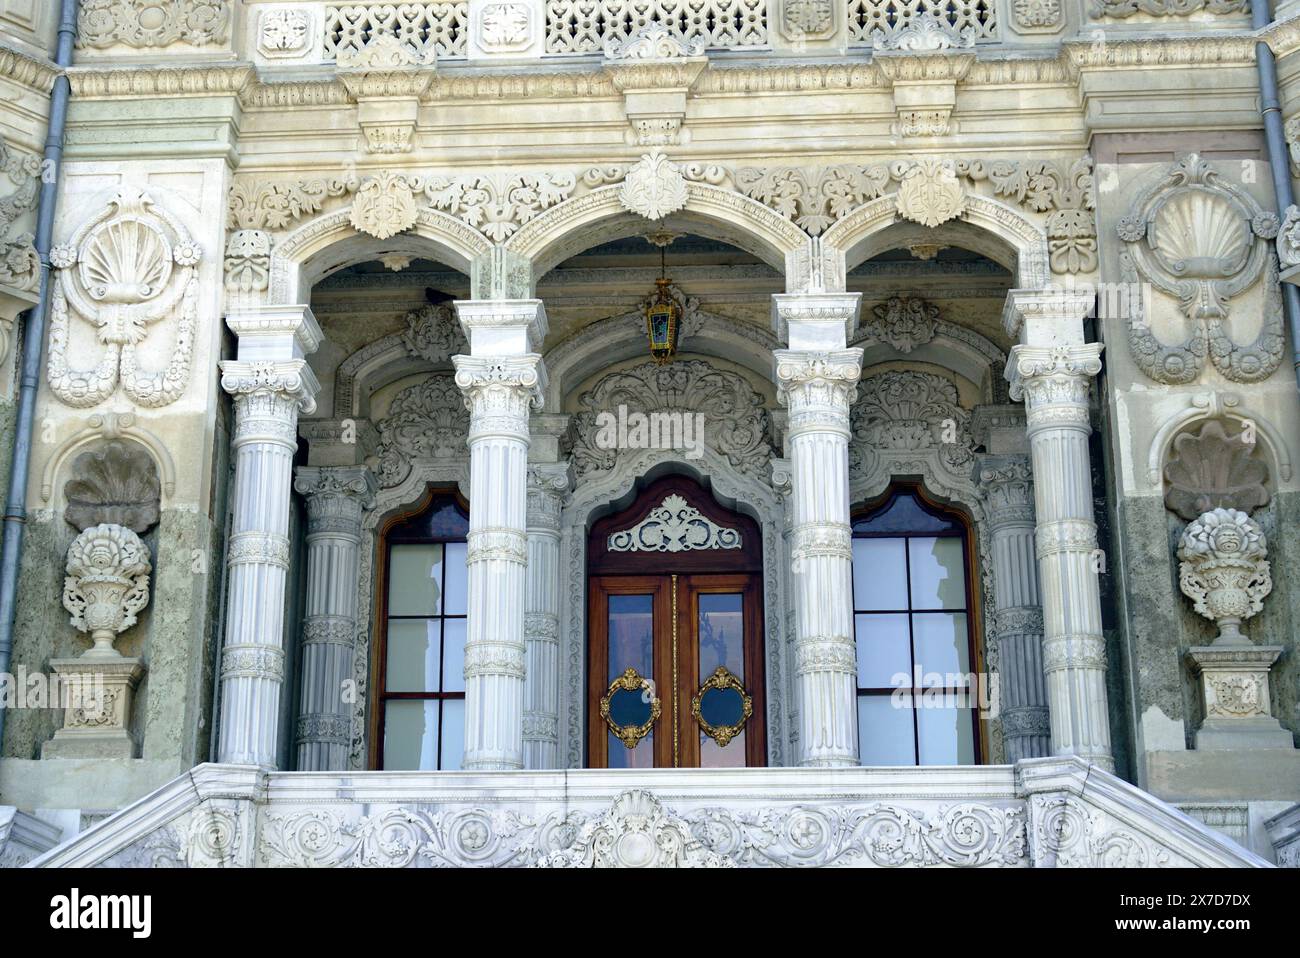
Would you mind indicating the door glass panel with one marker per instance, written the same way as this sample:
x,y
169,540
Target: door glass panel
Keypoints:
x,y
879,575
942,645
884,649
411,735
412,655
415,579
722,634
885,734
938,569
631,646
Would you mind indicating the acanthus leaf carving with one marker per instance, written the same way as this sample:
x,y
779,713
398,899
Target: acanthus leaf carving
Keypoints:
x,y
498,203
433,333
425,421
653,187
148,23
904,322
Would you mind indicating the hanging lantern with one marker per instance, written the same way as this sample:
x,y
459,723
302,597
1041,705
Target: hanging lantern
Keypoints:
x,y
663,313
662,317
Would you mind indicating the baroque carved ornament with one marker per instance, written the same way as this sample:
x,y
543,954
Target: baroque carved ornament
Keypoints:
x,y
1123,9
107,584
1201,239
903,322
131,267
1224,570
674,526
1211,469
152,23
425,421
20,267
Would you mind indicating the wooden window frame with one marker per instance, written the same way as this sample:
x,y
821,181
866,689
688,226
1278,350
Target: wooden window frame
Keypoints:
x,y
390,534
966,533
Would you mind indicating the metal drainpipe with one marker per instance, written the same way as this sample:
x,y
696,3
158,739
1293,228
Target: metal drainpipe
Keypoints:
x,y
15,515
1271,109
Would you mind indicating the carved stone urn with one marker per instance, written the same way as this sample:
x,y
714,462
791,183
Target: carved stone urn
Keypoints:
x,y
107,583
1225,572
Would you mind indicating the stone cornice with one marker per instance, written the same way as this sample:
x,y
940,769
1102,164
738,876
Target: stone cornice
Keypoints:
x,y
35,73
1210,49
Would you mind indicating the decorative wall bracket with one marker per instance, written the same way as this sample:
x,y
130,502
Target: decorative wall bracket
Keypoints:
x,y
386,79
655,70
925,89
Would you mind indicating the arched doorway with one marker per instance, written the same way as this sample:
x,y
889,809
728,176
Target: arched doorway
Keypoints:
x,y
675,634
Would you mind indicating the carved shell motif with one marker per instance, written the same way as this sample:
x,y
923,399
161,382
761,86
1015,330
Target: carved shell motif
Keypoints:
x,y
126,260
1199,234
1212,469
115,484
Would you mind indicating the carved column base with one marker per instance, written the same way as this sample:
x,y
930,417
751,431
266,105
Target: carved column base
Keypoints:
x,y
1234,682
96,694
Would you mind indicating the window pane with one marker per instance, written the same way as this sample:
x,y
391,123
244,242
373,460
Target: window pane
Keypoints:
x,y
453,733
947,736
722,633
620,756
415,579
411,735
938,573
885,732
879,574
942,645
883,650
457,578
713,755
412,655
453,655
631,636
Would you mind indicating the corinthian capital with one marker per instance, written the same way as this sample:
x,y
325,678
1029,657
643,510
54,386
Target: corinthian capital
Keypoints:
x,y
1053,375
501,386
336,495
817,386
288,379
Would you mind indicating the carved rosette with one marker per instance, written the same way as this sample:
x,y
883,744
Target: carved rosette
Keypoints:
x,y
1224,569
107,584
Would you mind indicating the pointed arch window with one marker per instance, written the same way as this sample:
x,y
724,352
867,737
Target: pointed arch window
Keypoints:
x,y
420,679
914,624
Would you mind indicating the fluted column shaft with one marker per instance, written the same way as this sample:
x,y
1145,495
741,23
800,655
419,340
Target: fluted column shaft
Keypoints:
x,y
336,499
1054,382
1017,624
546,486
268,397
818,387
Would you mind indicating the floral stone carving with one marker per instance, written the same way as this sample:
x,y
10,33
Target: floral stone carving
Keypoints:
x,y
674,526
117,484
107,584
637,832
149,23
904,322
929,192
433,333
653,187
131,267
425,421
1212,470
1224,570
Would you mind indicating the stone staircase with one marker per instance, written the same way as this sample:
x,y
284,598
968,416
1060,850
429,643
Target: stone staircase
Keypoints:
x,y
1040,813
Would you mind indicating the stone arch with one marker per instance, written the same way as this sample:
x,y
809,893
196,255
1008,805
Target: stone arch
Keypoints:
x,y
609,341
954,347
987,226
600,216
329,242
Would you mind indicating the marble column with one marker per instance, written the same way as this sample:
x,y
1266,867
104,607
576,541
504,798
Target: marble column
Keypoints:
x,y
1054,380
816,381
503,380
547,483
336,496
1017,622
271,383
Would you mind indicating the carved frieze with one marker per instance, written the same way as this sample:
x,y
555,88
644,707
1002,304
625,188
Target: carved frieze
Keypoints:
x,y
148,23
129,268
498,203
1123,9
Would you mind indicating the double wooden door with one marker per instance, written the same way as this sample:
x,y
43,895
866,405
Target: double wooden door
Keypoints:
x,y
675,646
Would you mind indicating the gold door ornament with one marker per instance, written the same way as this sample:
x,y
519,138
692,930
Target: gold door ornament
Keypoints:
x,y
631,682
721,681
